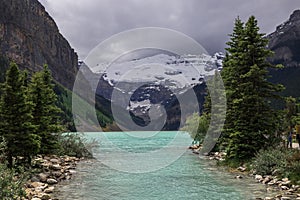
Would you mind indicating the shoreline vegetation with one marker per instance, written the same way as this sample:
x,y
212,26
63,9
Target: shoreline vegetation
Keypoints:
x,y
277,186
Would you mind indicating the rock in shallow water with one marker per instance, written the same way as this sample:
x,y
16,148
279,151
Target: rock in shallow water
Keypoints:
x,y
49,190
51,181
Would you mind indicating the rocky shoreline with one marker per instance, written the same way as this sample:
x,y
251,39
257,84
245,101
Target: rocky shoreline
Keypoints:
x,y
52,170
56,169
282,188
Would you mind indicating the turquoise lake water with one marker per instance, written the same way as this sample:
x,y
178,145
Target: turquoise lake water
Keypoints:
x,y
128,167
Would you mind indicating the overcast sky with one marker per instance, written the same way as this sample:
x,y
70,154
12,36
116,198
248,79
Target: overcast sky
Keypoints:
x,y
86,23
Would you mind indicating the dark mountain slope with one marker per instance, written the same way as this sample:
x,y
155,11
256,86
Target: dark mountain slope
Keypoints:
x,y
285,42
30,37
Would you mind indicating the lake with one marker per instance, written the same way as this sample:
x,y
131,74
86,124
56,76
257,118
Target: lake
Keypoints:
x,y
152,166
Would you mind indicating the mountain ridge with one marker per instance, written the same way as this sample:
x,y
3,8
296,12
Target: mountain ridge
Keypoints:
x,y
285,43
30,37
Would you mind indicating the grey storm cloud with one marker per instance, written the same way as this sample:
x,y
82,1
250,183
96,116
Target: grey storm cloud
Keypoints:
x,y
86,23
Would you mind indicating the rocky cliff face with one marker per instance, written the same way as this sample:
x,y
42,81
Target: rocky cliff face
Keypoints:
x,y
30,37
285,42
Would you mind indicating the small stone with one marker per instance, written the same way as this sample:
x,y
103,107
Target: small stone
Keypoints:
x,y
35,198
278,183
291,191
29,192
238,177
242,169
272,183
47,158
285,179
43,177
284,187
266,180
45,165
54,160
57,174
36,184
72,171
51,181
45,197
268,198
49,190
296,186
286,183
285,198
258,177
56,167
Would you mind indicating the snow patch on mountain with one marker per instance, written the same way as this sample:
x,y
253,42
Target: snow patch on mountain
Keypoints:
x,y
172,71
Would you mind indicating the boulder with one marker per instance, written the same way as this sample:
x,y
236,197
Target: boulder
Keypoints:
x,y
258,177
55,161
267,180
285,179
238,177
43,177
242,169
284,187
49,190
36,184
285,198
268,198
72,171
55,167
57,174
51,181
44,196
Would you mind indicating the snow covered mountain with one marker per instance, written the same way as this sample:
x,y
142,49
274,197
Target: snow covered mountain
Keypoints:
x,y
173,71
138,85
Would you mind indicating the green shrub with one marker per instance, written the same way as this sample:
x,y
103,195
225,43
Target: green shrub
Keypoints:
x,y
11,183
267,161
11,180
293,172
286,162
293,169
73,144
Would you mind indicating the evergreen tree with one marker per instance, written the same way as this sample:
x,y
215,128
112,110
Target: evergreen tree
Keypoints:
x,y
251,123
15,117
214,113
45,112
231,68
292,112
